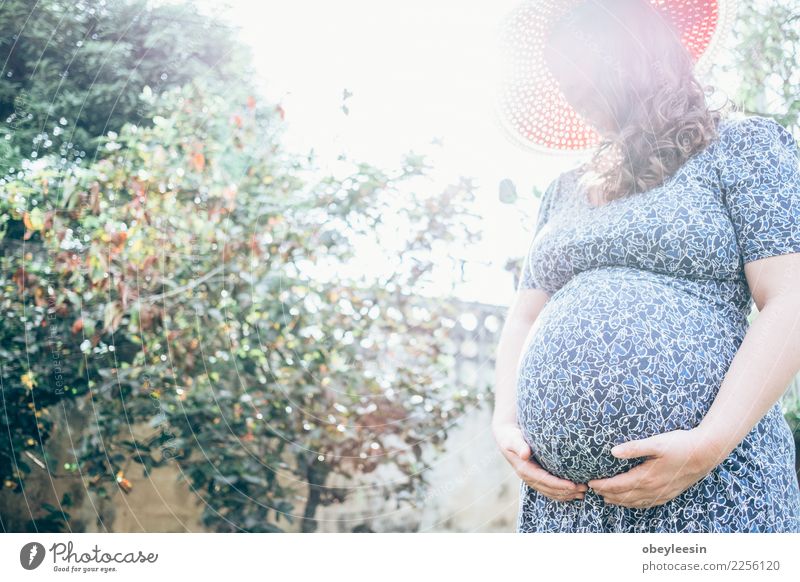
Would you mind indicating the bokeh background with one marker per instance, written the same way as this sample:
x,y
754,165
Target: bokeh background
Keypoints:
x,y
255,257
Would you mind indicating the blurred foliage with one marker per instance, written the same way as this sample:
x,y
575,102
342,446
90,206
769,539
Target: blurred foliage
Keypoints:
x,y
167,264
765,59
73,71
791,409
176,280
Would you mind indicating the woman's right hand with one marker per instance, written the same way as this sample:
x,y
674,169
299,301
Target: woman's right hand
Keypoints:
x,y
517,452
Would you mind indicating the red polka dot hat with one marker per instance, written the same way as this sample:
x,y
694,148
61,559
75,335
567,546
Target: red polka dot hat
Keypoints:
x,y
528,103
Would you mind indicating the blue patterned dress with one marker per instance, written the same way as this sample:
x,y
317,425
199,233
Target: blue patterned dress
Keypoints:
x,y
648,306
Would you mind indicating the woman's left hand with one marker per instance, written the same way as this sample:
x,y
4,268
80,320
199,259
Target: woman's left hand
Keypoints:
x,y
678,460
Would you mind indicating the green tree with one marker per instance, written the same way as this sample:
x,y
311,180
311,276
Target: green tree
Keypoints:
x,y
765,59
181,279
74,71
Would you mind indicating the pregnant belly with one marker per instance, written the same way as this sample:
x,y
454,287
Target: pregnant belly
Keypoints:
x,y
617,355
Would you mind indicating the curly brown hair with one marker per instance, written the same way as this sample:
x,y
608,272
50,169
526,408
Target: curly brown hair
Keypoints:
x,y
644,77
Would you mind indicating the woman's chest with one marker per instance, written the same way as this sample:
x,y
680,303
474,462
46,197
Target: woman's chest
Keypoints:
x,y
681,228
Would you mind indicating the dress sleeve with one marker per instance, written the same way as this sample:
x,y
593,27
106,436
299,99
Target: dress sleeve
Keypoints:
x,y
527,280
761,187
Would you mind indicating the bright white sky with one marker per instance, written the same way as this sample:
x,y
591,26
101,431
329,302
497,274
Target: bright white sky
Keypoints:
x,y
418,70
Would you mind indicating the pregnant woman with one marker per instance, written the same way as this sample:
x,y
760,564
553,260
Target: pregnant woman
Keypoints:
x,y
632,392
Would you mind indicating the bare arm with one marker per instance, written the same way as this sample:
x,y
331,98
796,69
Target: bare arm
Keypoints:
x,y
767,359
762,194
520,318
